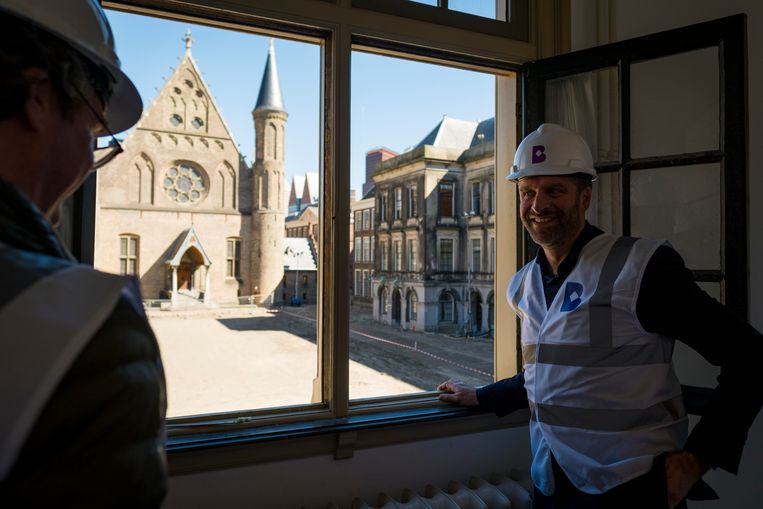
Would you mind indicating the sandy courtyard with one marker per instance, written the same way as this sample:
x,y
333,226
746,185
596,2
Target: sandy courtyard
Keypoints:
x,y
234,359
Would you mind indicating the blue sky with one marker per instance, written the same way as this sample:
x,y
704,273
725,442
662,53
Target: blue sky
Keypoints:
x,y
395,102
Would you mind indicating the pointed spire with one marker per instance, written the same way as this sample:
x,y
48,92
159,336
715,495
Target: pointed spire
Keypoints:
x,y
188,41
270,89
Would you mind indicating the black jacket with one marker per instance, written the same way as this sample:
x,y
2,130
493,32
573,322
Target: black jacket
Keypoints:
x,y
99,441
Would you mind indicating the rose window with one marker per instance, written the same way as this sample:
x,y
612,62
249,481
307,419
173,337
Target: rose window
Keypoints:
x,y
183,183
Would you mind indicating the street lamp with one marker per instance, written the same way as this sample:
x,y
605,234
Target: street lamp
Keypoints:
x,y
295,301
467,300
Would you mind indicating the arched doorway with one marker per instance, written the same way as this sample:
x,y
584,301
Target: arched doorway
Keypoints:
x,y
396,305
189,275
411,307
447,308
475,311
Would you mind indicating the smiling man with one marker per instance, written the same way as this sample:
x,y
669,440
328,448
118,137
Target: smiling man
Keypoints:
x,y
600,314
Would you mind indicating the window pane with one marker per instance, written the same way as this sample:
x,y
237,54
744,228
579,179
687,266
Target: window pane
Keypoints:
x,y
606,206
446,200
476,199
445,255
682,205
675,104
203,210
476,256
423,145
483,8
589,104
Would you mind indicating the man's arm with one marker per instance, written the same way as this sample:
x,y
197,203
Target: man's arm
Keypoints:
x,y
502,397
670,303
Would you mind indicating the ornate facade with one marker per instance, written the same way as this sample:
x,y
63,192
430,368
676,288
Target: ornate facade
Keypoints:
x,y
435,232
181,209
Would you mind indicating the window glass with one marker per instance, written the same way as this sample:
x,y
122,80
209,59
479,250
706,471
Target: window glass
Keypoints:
x,y
476,199
421,148
445,198
589,104
476,256
398,203
200,210
412,256
412,212
128,258
483,8
445,255
675,104
606,209
683,205
233,258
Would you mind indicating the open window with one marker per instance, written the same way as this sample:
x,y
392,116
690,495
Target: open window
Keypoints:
x,y
665,117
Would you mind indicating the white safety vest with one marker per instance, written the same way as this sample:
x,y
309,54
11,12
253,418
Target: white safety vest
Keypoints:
x,y
603,393
42,332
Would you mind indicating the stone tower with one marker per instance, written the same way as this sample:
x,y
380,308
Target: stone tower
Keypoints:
x,y
268,210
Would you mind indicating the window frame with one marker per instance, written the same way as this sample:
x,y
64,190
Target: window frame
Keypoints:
x,y
398,203
475,245
729,36
412,206
129,239
442,266
475,199
335,26
412,255
443,204
233,261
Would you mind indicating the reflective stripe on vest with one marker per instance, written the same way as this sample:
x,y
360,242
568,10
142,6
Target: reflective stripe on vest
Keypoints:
x,y
44,329
603,393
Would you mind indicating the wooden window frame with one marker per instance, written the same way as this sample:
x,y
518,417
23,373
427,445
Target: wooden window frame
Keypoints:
x,y
196,442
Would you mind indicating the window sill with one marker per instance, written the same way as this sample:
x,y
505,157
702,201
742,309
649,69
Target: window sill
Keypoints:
x,y
338,437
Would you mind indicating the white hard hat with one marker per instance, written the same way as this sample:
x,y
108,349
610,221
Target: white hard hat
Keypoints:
x,y
552,150
83,24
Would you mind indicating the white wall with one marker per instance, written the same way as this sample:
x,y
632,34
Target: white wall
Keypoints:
x,y
601,21
313,482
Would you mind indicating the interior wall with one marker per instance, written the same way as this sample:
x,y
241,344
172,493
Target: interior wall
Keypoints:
x,y
597,22
311,483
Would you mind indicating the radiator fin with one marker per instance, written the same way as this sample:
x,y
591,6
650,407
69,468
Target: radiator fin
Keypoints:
x,y
502,491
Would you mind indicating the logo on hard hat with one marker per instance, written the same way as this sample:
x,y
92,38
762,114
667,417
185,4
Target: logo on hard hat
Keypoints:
x,y
539,154
573,296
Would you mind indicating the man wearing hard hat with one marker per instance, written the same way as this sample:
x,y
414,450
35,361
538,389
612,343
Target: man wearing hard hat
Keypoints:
x,y
82,396
600,314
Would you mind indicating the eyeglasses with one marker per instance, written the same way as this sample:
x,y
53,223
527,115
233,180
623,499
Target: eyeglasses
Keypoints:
x,y
115,148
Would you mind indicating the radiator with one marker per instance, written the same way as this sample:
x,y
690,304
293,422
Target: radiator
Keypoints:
x,y
502,491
